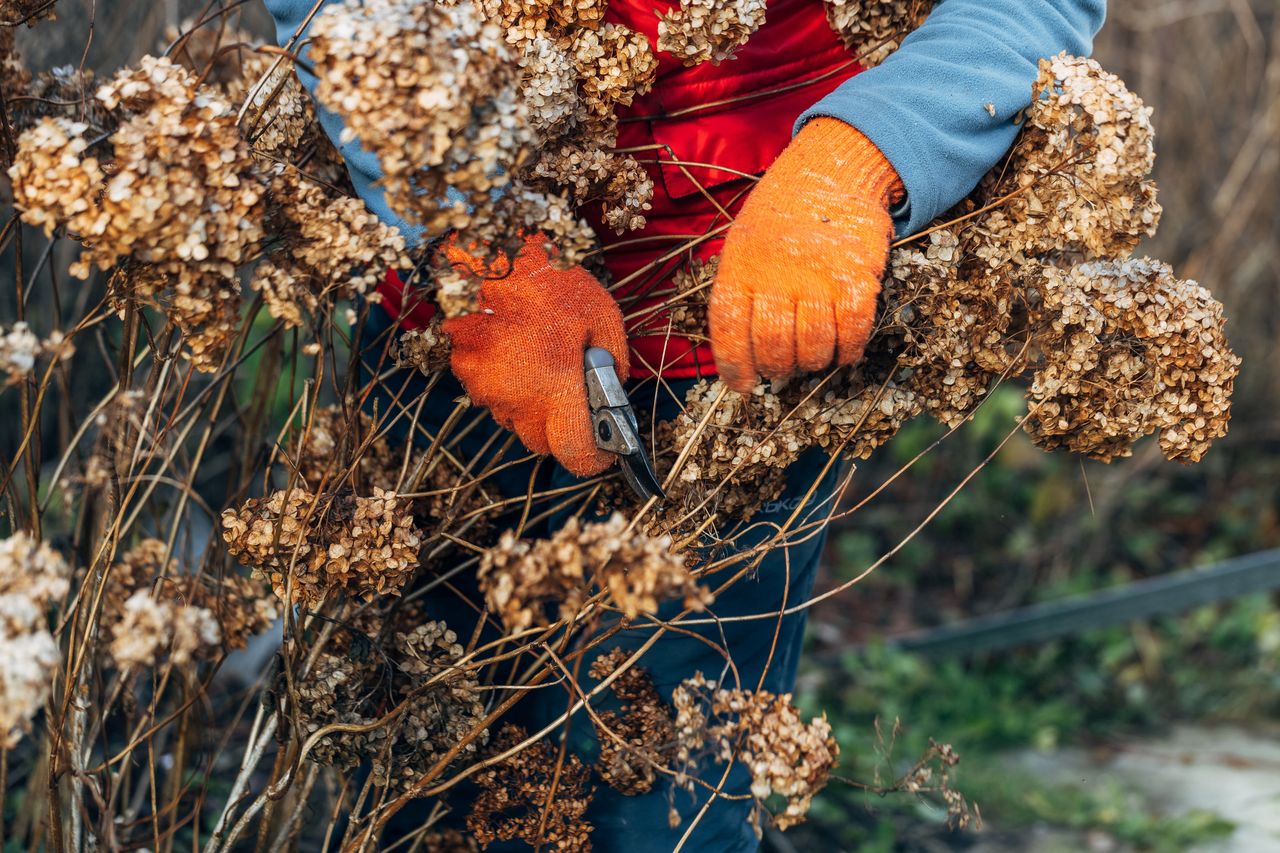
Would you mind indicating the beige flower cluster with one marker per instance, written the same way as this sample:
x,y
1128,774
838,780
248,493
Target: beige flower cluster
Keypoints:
x,y
637,739
875,28
33,578
523,581
431,90
785,756
699,31
19,349
401,678
1080,170
575,73
310,546
592,173
240,607
532,796
176,191
149,626
330,247
1135,351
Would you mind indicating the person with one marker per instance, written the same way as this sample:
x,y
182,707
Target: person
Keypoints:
x,y
846,158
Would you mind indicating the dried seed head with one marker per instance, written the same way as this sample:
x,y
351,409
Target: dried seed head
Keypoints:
x,y
638,738
873,29
32,578
317,545
532,796
523,580
402,682
785,756
699,31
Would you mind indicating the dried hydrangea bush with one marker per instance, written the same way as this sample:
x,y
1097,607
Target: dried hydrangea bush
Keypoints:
x,y
215,217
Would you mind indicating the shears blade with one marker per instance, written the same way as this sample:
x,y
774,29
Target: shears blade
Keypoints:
x,y
615,425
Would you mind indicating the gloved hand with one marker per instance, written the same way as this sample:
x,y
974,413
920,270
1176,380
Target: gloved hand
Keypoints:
x,y
801,265
520,355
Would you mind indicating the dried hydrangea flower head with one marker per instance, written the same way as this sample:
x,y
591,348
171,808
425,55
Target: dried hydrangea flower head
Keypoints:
x,y
699,31
320,544
277,113
446,120
587,173
19,349
182,199
873,29
785,756
532,796
427,349
1135,351
638,738
523,580
149,626
548,87
1079,174
575,73
33,577
329,247
401,681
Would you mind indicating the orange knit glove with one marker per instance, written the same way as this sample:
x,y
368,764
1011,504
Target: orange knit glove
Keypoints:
x,y
520,355
801,266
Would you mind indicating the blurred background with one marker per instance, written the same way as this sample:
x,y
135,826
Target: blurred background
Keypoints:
x,y
1152,734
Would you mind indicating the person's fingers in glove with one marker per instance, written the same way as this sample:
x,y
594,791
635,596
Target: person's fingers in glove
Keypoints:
x,y
800,270
520,355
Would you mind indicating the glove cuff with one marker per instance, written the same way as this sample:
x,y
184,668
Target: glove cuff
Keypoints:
x,y
858,162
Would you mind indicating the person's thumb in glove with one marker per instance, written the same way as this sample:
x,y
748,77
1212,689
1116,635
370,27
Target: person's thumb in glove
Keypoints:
x,y
520,355
801,266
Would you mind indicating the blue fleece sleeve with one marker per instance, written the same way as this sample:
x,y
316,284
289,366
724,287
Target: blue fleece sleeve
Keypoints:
x,y
364,168
928,107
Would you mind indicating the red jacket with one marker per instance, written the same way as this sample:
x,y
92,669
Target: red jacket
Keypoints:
x,y
738,116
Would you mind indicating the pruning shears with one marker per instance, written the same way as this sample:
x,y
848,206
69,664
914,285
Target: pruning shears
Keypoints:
x,y
615,425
